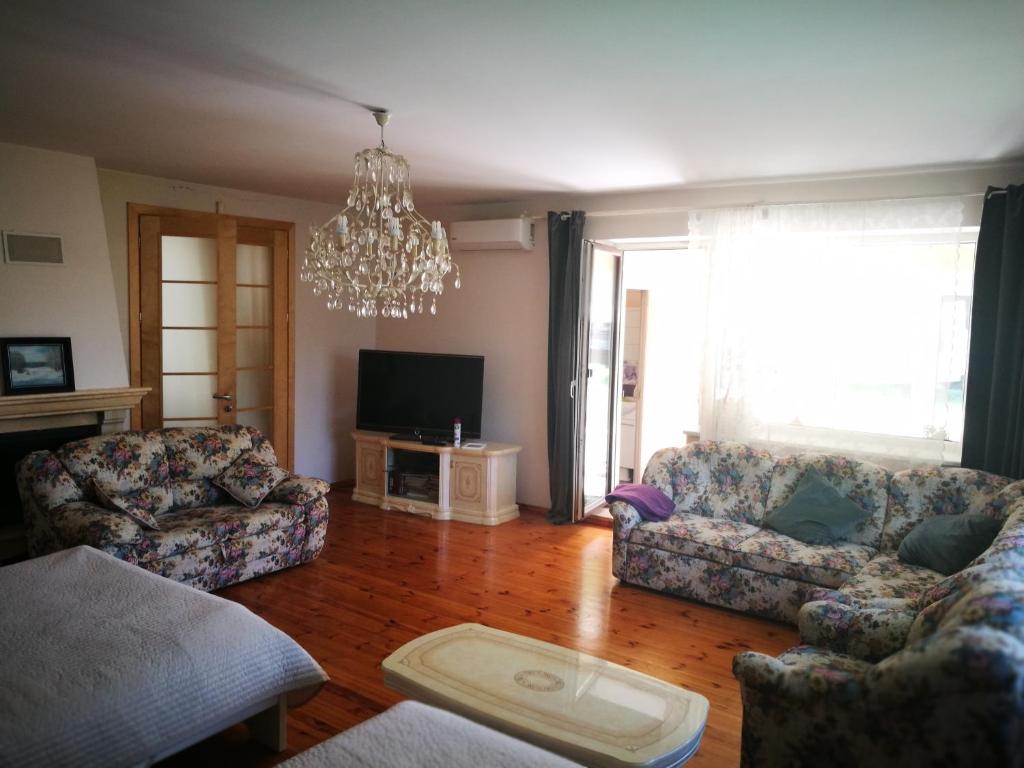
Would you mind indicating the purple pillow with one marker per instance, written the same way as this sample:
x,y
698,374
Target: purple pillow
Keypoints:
x,y
649,501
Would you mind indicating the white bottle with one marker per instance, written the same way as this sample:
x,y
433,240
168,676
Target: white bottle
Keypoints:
x,y
457,432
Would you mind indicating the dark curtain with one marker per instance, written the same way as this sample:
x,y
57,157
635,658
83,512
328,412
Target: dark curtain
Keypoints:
x,y
994,408
565,260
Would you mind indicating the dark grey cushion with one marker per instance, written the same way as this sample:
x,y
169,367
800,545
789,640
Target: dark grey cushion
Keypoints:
x,y
816,513
947,543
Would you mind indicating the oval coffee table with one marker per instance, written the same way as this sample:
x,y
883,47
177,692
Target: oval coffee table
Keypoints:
x,y
584,708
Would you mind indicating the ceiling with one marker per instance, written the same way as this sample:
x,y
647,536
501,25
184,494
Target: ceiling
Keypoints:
x,y
497,100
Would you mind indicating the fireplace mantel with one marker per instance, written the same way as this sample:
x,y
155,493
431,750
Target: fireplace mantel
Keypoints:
x,y
109,408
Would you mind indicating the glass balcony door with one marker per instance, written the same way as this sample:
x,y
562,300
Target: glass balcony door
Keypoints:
x,y
599,375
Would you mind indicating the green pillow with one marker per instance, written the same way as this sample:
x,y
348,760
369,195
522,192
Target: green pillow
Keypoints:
x,y
816,513
947,543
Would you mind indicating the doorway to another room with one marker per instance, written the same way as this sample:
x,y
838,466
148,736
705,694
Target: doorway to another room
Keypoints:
x,y
659,316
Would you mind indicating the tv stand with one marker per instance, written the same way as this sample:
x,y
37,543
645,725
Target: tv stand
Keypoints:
x,y
438,481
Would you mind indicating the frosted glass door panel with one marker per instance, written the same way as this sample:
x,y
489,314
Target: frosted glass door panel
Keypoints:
x,y
189,397
190,422
254,347
188,258
254,265
190,351
262,420
255,389
252,306
190,304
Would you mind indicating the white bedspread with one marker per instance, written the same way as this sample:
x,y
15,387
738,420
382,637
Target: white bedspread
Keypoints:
x,y
414,735
105,664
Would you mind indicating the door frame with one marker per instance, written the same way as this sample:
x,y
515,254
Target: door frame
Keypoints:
x,y
135,211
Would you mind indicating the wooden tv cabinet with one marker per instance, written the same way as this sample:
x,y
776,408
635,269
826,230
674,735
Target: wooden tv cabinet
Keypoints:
x,y
472,485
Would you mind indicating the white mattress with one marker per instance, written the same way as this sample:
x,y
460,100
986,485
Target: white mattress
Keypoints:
x,y
414,735
105,664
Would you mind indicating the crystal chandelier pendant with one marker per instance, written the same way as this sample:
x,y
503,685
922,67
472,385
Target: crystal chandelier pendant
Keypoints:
x,y
379,256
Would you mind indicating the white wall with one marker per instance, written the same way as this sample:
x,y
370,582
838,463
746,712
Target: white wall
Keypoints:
x,y
502,310
326,343
56,193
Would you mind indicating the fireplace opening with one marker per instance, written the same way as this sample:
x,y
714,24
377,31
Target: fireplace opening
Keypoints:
x,y
14,446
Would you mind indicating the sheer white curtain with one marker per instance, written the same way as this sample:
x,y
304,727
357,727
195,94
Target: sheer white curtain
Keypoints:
x,y
838,327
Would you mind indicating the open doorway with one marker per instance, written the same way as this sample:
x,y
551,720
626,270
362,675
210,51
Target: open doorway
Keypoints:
x,y
662,348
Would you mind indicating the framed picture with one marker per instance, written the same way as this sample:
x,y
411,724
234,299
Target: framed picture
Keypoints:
x,y
33,366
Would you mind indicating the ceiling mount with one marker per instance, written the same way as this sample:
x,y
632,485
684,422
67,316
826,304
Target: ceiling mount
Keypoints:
x,y
382,116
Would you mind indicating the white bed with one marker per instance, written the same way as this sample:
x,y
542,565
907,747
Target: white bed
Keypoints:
x,y
105,664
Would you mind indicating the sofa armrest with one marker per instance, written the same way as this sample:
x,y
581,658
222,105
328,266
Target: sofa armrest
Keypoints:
x,y
792,684
624,519
862,632
299,490
44,483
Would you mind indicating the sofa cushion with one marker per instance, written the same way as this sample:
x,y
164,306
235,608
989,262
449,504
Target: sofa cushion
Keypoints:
x,y
189,493
865,484
947,543
828,565
696,536
193,529
248,480
83,522
917,494
714,479
816,513
997,603
141,506
886,576
122,461
204,452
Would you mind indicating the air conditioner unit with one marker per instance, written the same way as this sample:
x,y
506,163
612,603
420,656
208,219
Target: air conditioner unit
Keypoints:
x,y
493,235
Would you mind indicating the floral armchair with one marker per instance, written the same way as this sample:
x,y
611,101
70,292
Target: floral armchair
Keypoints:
x,y
202,536
931,679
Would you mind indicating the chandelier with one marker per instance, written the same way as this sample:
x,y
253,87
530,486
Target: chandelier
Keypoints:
x,y
378,255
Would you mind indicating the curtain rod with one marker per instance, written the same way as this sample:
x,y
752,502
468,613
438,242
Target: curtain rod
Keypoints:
x,y
687,209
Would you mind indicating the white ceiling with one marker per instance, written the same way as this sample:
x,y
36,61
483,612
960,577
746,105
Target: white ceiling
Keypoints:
x,y
496,100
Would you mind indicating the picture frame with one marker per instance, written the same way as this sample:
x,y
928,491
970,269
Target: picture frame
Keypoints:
x,y
37,365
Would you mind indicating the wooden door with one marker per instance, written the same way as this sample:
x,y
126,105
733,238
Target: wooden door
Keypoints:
x,y
211,327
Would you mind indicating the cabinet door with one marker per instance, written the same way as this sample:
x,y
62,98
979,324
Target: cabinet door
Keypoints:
x,y
469,484
370,467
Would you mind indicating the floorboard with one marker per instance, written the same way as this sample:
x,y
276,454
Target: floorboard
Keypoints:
x,y
387,577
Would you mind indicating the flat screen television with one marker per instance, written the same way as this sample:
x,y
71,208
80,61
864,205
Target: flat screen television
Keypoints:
x,y
415,393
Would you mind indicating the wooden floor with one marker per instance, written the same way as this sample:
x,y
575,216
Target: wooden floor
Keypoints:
x,y
387,577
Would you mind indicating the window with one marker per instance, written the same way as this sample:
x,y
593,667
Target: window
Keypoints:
x,y
839,326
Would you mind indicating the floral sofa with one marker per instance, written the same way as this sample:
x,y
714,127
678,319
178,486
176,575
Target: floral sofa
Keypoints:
x,y
714,547
898,665
206,539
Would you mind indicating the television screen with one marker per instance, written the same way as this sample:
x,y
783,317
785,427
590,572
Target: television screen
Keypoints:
x,y
410,392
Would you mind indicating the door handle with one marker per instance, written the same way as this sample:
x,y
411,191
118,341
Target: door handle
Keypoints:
x,y
225,396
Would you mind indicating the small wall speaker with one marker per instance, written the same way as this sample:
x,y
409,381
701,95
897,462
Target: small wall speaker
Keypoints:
x,y
25,248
